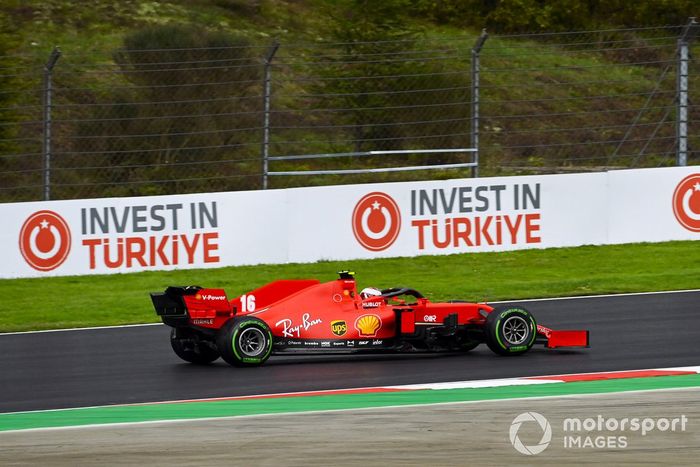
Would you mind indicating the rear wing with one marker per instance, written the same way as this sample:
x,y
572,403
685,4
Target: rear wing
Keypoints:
x,y
179,304
170,303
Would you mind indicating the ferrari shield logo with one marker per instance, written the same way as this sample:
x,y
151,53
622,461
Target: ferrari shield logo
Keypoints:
x,y
339,327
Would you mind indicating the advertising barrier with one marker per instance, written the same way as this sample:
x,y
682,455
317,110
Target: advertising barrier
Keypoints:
x,y
119,235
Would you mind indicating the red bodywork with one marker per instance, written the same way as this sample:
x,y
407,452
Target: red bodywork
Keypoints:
x,y
334,311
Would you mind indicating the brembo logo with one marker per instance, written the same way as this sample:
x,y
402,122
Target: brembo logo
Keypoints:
x,y
376,221
686,202
45,240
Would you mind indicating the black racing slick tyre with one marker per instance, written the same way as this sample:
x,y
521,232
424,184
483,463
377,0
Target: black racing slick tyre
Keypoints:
x,y
245,341
510,330
193,350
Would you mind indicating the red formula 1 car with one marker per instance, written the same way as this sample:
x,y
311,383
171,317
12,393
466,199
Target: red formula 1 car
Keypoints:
x,y
309,316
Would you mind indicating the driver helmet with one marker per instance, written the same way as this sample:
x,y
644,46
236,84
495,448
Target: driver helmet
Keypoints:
x,y
368,292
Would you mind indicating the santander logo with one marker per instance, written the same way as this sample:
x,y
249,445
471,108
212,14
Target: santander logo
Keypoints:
x,y
686,202
44,240
376,221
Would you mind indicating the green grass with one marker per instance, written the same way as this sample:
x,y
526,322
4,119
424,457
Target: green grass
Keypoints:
x,y
78,301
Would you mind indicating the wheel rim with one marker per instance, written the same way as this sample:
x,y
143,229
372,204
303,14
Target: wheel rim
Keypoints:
x,y
251,341
515,330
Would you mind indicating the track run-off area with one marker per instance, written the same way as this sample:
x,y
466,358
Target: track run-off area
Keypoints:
x,y
130,375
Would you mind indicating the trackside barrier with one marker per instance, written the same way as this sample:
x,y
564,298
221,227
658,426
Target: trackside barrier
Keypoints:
x,y
119,235
473,164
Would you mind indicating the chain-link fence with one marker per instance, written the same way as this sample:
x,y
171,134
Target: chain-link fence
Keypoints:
x,y
161,121
583,101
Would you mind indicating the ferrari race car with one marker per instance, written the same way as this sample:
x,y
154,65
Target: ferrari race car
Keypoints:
x,y
332,317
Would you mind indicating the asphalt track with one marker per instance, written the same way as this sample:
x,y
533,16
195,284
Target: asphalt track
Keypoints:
x,y
128,365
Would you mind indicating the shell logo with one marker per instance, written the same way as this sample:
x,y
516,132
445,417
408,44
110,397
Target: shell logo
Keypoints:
x,y
368,325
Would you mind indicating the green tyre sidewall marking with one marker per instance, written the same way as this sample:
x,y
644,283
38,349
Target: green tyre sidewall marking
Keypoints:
x,y
233,343
251,359
533,331
269,344
498,334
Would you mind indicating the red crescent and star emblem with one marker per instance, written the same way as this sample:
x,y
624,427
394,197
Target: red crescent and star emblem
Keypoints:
x,y
44,240
686,202
376,221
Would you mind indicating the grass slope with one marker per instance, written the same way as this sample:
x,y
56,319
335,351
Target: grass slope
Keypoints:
x,y
516,80
78,301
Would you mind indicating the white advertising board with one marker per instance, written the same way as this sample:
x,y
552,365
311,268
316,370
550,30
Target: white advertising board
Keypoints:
x,y
118,235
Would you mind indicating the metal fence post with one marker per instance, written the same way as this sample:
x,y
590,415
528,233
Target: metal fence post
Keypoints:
x,y
48,69
689,32
266,111
475,100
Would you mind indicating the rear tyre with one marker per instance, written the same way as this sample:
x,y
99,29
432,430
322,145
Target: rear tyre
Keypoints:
x,y
510,330
245,341
192,349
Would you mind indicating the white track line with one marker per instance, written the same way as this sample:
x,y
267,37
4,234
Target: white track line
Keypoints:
x,y
94,328
579,297
613,295
527,380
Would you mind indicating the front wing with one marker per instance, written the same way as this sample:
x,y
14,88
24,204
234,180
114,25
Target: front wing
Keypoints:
x,y
553,339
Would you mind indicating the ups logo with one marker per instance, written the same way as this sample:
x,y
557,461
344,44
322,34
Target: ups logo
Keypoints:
x,y
339,327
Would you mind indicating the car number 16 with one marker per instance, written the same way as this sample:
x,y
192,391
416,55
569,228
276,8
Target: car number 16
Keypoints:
x,y
247,303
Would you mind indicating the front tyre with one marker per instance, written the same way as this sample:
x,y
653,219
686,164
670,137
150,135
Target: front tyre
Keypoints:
x,y
193,350
510,330
245,341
